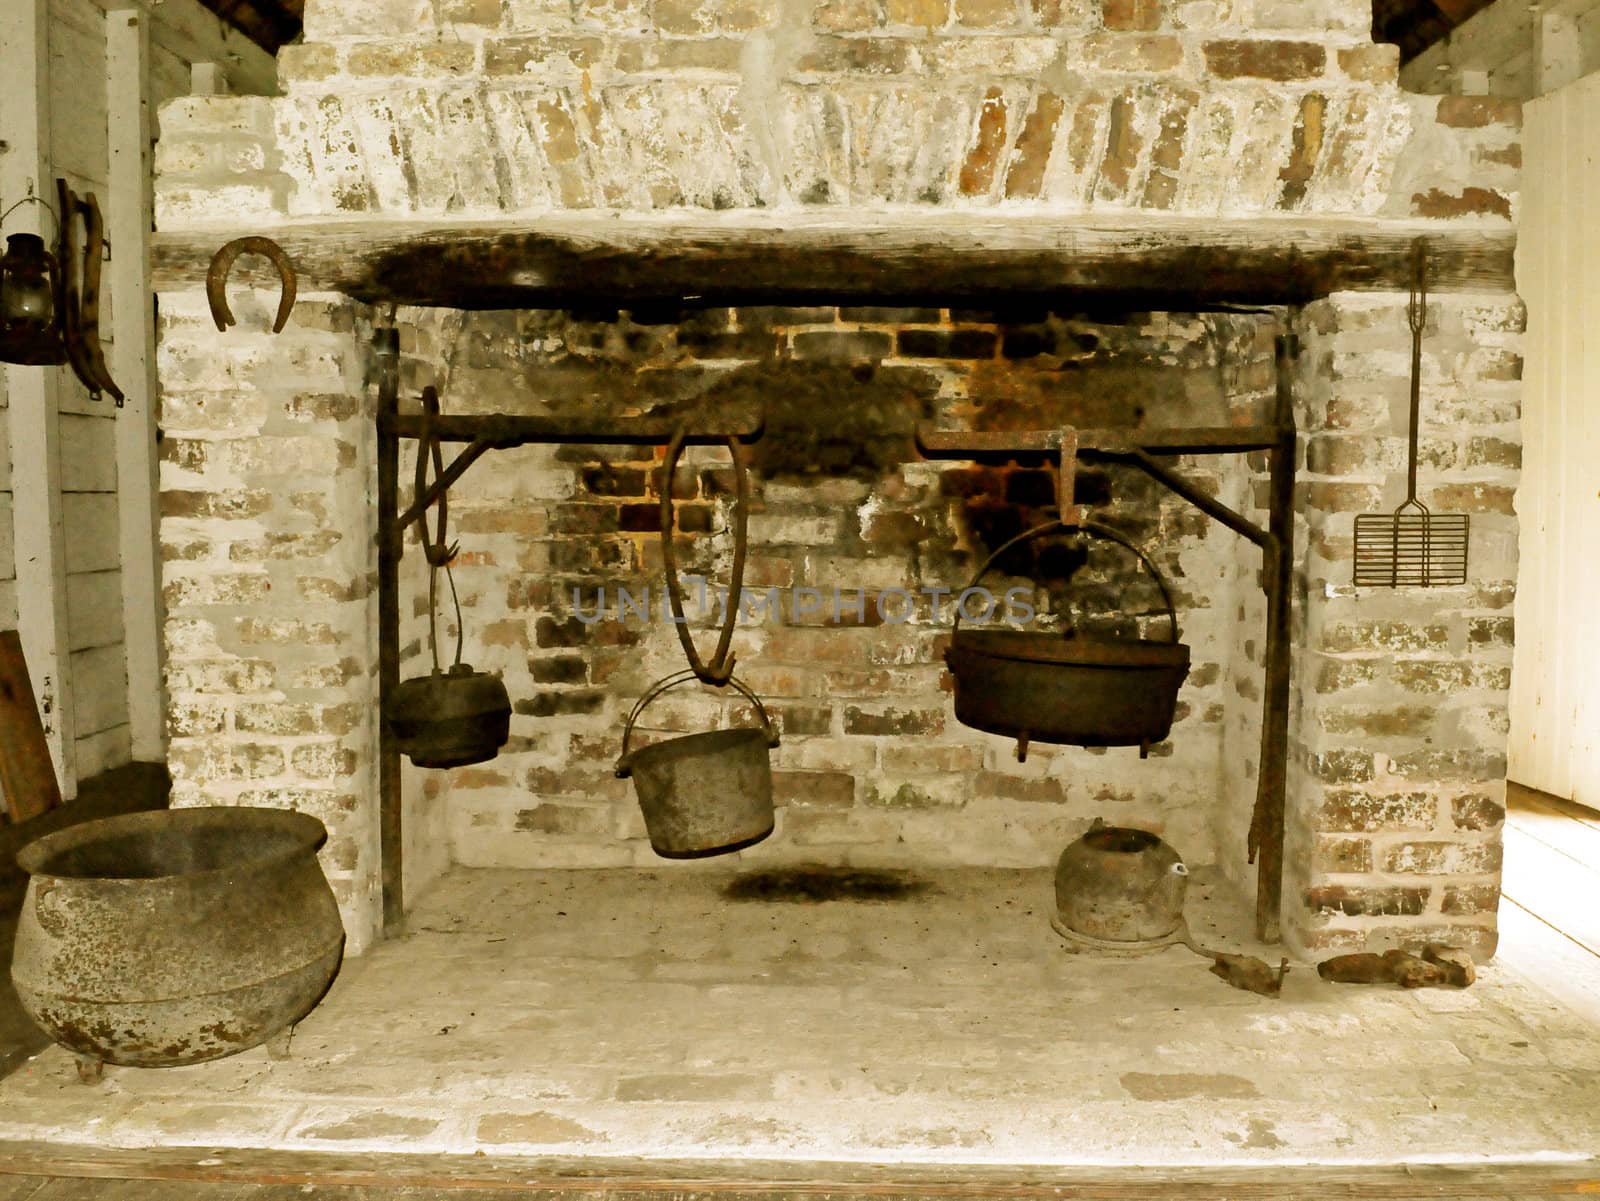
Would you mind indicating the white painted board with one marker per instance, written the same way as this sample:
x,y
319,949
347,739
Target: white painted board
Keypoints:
x,y
1555,692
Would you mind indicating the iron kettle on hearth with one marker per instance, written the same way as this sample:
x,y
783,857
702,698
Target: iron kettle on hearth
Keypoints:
x,y
1118,885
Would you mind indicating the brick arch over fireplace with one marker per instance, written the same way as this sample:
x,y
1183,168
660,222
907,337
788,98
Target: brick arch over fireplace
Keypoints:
x,y
476,108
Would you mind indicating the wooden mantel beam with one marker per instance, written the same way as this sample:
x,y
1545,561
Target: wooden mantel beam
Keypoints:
x,y
569,259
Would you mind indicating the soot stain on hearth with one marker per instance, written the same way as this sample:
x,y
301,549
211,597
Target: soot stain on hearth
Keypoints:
x,y
813,885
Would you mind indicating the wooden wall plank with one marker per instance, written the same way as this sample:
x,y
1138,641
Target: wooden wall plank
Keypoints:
x,y
1485,41
8,559
94,612
1557,50
34,392
1589,35
94,544
103,751
1555,698
78,90
1581,481
1551,730
88,453
193,33
169,78
1528,756
1510,39
104,705
129,220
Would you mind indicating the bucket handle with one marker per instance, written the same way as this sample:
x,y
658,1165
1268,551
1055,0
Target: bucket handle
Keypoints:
x,y
624,767
1087,527
720,670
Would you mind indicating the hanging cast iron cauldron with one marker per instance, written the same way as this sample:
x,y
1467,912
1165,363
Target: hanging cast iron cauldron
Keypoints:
x,y
174,937
451,718
456,717
702,794
1078,691
1122,886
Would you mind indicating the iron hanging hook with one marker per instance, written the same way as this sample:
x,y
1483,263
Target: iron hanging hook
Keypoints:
x,y
435,548
720,669
1417,318
1417,309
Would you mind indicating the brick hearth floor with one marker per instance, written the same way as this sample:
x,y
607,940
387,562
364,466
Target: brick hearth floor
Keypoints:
x,y
628,1014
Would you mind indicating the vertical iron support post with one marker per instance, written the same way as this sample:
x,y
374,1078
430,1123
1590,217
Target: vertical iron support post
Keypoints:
x,y
386,357
1067,476
1268,826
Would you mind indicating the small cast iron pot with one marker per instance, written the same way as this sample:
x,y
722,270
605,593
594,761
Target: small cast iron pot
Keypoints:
x,y
1119,884
1043,687
703,794
450,719
174,937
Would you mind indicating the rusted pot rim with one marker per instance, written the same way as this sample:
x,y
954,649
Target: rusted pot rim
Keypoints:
x,y
1029,646
309,834
685,746
427,694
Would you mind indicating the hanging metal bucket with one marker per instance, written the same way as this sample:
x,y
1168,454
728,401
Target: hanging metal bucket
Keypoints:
x,y
451,719
1044,687
702,794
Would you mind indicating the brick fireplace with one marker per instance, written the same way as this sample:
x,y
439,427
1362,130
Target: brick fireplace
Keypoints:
x,y
1258,131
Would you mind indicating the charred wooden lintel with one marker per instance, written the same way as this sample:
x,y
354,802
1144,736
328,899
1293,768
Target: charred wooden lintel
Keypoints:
x,y
1133,261
500,430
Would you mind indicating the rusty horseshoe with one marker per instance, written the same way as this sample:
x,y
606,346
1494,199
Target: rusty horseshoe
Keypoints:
x,y
222,263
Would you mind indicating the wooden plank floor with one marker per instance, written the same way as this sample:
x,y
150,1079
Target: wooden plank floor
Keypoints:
x,y
1486,1182
1552,867
33,1188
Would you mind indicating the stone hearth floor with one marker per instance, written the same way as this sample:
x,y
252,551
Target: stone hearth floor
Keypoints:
x,y
626,1014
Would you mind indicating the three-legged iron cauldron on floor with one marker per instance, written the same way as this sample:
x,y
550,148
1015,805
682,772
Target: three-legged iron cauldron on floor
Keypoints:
x,y
174,937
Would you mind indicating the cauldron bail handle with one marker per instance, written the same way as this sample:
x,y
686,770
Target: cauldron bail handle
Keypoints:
x,y
720,670
1088,527
624,768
